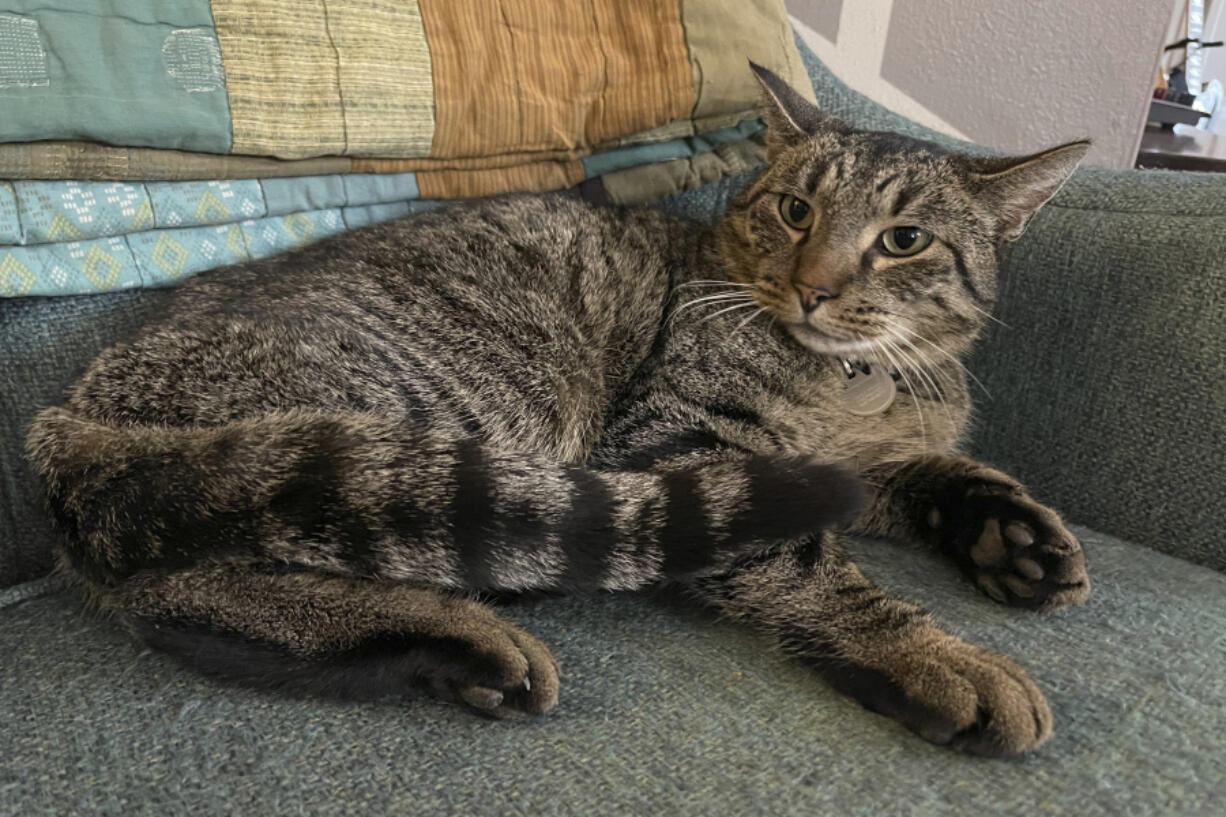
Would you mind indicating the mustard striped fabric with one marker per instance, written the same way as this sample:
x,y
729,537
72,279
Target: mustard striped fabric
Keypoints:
x,y
533,75
316,77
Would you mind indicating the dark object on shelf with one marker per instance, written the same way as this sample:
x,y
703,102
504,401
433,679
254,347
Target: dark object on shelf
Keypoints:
x,y
1168,113
1171,95
1182,147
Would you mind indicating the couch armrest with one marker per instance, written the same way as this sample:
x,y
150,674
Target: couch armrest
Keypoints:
x,y
1108,388
45,344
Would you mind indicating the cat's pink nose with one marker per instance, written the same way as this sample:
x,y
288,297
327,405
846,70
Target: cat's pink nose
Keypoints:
x,y
813,297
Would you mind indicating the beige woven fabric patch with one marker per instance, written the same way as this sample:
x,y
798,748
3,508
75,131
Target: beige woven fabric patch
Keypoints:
x,y
719,53
312,77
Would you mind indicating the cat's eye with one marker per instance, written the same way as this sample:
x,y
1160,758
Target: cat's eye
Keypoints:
x,y
796,213
904,241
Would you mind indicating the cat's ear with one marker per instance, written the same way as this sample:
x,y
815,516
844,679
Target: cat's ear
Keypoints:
x,y
790,118
1015,187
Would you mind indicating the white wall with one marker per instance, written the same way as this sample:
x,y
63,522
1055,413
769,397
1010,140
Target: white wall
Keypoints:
x,y
1018,75
1215,29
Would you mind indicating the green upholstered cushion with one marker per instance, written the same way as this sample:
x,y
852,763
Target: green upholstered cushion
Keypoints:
x,y
662,712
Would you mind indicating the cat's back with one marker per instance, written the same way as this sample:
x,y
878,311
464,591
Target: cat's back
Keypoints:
x,y
475,309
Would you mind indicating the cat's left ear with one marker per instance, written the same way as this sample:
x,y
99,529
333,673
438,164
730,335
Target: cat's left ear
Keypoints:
x,y
1015,187
790,118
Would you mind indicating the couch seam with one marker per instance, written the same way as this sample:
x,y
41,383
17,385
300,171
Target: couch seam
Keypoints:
x,y
1159,212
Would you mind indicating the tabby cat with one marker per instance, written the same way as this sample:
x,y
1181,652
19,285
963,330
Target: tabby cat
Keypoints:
x,y
306,471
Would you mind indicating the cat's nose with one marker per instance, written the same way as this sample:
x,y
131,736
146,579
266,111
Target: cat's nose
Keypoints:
x,y
813,297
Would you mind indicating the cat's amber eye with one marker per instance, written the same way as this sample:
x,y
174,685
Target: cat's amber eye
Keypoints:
x,y
796,213
904,241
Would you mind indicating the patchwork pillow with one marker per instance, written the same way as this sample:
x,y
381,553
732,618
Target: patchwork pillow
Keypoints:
x,y
152,144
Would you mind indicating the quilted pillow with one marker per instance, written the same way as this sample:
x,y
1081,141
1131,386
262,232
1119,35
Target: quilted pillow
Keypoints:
x,y
174,137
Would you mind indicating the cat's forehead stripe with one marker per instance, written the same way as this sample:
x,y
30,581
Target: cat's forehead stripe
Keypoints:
x,y
887,181
817,175
901,201
825,174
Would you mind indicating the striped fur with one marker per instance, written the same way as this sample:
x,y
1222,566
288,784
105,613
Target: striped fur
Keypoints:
x,y
284,478
358,495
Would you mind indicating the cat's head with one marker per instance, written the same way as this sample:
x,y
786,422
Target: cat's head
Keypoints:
x,y
855,240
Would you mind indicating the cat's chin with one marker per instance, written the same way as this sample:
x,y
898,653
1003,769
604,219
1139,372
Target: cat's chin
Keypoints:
x,y
821,343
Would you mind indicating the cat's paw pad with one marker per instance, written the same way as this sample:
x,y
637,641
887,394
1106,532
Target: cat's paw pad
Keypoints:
x,y
500,671
956,694
1016,550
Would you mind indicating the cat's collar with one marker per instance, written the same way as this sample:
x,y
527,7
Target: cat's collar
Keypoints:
x,y
864,367
868,388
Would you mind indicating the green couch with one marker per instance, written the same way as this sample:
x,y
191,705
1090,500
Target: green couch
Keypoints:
x,y
1108,396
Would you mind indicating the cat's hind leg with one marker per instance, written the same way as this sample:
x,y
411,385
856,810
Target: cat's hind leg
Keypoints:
x,y
339,637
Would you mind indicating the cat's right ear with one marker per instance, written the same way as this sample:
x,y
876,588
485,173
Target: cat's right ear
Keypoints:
x,y
790,118
1015,187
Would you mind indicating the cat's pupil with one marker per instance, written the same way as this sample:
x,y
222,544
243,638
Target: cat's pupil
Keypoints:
x,y
797,210
905,237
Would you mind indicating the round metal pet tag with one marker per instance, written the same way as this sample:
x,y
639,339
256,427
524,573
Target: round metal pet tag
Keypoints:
x,y
870,392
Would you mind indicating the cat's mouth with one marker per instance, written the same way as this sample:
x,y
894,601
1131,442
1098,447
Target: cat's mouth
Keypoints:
x,y
827,342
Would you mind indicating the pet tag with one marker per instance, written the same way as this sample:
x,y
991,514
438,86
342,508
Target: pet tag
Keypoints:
x,y
870,392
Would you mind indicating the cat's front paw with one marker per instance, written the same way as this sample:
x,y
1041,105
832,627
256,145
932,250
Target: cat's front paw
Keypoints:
x,y
1016,550
951,693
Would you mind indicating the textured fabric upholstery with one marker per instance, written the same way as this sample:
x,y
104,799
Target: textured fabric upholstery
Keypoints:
x,y
1109,383
45,344
662,712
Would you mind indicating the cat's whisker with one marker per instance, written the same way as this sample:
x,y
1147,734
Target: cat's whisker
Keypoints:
x,y
732,308
747,321
922,372
722,297
989,315
717,296
955,360
711,282
934,369
919,412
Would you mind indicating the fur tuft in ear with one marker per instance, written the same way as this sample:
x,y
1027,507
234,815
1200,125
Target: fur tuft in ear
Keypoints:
x,y
790,117
1017,186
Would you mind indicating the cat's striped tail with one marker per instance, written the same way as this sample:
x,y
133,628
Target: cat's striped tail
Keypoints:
x,y
362,495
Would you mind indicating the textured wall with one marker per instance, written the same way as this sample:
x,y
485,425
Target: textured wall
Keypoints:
x,y
822,16
1014,75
